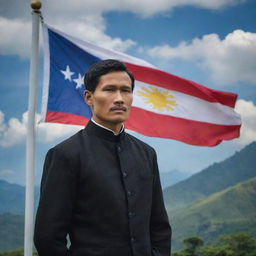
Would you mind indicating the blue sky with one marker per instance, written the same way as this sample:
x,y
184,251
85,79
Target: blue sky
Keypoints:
x,y
211,42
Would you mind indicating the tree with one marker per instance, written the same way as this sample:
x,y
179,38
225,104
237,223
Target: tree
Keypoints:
x,y
16,253
229,245
216,251
240,244
192,245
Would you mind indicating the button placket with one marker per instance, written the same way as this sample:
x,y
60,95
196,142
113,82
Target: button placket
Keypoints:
x,y
128,188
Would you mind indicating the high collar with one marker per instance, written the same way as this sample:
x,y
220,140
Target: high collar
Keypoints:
x,y
98,131
122,128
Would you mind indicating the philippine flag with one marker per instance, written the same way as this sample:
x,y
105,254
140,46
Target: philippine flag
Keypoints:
x,y
164,105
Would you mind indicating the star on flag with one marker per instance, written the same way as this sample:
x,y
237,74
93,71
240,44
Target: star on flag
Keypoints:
x,y
67,76
67,73
79,81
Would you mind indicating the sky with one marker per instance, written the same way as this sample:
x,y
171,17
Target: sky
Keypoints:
x,y
211,42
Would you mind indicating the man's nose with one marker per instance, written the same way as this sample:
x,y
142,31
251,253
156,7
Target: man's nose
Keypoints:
x,y
118,97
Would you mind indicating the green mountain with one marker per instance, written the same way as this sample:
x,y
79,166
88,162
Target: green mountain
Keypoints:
x,y
239,167
232,210
172,177
11,231
12,198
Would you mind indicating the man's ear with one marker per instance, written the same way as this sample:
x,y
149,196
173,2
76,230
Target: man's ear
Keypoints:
x,y
88,97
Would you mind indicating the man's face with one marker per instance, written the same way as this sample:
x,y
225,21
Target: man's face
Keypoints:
x,y
111,101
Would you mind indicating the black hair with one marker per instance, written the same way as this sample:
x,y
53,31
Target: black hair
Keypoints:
x,y
92,76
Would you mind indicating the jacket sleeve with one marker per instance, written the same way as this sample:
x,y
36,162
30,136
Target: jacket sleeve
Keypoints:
x,y
55,205
160,229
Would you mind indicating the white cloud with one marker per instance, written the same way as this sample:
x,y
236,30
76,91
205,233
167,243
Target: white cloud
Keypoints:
x,y
247,110
83,20
15,131
48,132
81,8
90,29
144,8
6,173
229,61
15,37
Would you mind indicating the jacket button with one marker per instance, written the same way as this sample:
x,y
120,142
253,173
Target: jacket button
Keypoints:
x,y
130,214
118,149
132,239
125,174
129,193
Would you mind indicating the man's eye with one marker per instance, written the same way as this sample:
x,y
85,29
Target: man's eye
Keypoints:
x,y
127,90
109,89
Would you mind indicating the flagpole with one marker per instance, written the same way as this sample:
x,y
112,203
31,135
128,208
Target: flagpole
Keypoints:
x,y
31,134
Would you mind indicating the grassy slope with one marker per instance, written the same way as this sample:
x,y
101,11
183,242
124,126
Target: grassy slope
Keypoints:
x,y
229,211
238,168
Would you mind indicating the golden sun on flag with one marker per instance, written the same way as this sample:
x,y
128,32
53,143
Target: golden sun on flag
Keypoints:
x,y
159,99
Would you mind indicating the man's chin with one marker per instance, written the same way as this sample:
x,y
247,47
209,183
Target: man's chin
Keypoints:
x,y
114,119
119,119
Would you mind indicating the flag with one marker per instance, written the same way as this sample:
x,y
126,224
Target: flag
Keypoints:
x,y
164,105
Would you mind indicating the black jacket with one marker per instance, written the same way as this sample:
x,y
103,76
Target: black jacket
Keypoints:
x,y
104,191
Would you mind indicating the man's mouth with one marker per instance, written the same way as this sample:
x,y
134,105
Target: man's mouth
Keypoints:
x,y
118,109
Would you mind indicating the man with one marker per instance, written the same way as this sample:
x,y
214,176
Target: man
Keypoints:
x,y
101,186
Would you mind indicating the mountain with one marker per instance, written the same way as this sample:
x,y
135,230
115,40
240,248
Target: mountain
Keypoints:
x,y
11,232
239,167
172,177
232,210
12,198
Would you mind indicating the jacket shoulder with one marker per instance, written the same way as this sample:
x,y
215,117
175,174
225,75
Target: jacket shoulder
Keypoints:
x,y
71,145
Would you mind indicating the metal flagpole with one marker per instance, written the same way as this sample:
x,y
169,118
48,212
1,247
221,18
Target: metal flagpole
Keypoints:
x,y
31,134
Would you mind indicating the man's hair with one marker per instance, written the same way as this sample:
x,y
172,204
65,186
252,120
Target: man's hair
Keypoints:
x,y
92,76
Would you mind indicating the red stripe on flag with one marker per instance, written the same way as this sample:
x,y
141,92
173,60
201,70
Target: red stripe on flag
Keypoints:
x,y
163,79
188,131
65,118
162,126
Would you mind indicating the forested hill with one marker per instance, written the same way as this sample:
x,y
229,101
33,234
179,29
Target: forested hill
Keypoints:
x,y
238,168
232,210
11,231
12,198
